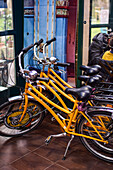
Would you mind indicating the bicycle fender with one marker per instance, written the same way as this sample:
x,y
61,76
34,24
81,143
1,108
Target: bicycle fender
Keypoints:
x,y
19,97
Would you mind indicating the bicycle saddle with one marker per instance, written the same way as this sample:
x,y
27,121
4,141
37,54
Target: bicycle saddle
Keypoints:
x,y
96,66
83,78
90,80
90,70
84,68
82,93
93,81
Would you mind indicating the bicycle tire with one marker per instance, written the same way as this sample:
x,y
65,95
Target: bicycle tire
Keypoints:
x,y
11,108
98,149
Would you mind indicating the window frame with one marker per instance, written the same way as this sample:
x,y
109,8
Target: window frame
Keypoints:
x,y
17,32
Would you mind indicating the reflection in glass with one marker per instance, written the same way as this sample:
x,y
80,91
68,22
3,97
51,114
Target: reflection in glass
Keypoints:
x,y
6,18
95,31
100,12
7,67
28,3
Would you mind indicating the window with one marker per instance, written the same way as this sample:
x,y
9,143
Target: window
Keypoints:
x,y
6,17
7,53
100,12
99,19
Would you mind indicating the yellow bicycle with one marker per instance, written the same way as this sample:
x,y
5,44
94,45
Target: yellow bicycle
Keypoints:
x,y
93,128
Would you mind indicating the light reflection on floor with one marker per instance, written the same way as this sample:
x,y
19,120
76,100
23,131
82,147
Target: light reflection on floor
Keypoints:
x,y
71,81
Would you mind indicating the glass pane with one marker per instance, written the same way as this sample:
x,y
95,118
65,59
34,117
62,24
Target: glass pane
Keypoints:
x,y
6,17
100,12
7,65
28,3
95,31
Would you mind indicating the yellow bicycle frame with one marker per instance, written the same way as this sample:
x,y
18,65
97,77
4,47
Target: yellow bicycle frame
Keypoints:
x,y
60,82
72,114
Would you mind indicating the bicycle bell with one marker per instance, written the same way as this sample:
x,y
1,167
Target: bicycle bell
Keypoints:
x,y
52,60
33,74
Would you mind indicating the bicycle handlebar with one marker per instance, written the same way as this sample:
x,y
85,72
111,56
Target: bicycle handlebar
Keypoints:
x,y
52,59
25,50
50,41
62,64
38,43
44,49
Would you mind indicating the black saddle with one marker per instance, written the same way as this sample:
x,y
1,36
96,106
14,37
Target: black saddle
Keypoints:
x,y
84,78
84,68
90,70
93,81
82,93
90,80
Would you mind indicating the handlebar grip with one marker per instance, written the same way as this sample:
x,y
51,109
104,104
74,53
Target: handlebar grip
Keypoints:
x,y
39,42
25,50
63,64
43,79
50,41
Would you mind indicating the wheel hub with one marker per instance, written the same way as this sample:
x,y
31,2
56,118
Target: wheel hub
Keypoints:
x,y
12,120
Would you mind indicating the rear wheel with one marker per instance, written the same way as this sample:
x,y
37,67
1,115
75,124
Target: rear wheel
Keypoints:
x,y
101,120
10,114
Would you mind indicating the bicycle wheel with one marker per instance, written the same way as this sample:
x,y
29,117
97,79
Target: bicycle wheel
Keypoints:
x,y
11,112
101,120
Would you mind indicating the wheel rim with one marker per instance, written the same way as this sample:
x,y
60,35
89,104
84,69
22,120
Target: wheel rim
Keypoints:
x,y
91,145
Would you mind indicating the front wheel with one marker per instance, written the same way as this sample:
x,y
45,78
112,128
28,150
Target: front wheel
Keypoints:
x,y
10,114
101,120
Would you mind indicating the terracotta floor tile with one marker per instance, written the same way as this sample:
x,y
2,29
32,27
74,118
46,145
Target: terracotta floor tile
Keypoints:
x,y
53,151
2,163
47,129
31,162
64,141
4,139
30,152
31,142
8,167
80,158
56,167
11,151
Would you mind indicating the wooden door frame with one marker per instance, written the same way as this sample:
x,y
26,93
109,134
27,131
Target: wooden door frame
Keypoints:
x,y
79,38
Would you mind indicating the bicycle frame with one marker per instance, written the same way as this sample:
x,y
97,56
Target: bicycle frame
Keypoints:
x,y
72,114
60,82
50,70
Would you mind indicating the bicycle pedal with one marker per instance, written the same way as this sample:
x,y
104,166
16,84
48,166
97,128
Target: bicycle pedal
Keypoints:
x,y
47,141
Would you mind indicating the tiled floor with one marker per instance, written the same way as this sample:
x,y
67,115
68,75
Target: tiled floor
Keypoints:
x,y
71,81
29,152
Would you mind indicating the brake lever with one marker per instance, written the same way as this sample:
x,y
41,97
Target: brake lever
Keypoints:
x,y
62,71
38,85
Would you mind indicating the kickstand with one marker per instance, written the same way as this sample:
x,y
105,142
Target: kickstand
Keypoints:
x,y
72,137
